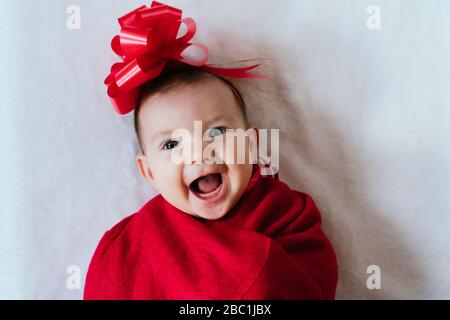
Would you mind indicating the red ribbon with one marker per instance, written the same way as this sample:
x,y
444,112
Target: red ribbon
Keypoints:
x,y
147,41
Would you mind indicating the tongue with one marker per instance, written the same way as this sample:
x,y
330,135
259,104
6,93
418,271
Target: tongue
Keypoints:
x,y
208,183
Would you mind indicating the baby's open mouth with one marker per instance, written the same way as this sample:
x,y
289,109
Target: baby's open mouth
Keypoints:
x,y
207,186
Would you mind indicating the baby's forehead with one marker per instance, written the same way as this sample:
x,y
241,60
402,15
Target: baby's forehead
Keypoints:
x,y
201,98
207,101
209,87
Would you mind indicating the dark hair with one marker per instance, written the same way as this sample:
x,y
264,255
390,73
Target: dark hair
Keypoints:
x,y
174,76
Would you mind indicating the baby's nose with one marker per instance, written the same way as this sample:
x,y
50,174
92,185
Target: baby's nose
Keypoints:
x,y
197,148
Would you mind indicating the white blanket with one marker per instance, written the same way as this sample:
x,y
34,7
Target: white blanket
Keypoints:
x,y
364,126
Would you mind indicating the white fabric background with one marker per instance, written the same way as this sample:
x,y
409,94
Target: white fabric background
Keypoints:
x,y
363,117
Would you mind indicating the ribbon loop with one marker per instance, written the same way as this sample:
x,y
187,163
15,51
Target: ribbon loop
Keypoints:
x,y
133,41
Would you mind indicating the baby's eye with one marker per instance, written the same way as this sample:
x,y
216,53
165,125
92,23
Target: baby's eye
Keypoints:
x,y
170,144
217,131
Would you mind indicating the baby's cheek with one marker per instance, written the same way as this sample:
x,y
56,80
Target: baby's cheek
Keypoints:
x,y
172,183
227,150
167,172
241,150
177,156
240,175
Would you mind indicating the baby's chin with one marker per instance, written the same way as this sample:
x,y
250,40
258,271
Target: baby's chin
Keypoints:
x,y
211,213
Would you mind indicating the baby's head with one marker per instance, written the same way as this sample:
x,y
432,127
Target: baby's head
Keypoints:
x,y
173,101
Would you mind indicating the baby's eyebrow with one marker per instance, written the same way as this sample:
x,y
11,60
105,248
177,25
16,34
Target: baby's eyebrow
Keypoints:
x,y
161,133
205,123
219,117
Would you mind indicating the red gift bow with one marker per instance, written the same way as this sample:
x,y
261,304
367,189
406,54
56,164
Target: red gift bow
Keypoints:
x,y
147,41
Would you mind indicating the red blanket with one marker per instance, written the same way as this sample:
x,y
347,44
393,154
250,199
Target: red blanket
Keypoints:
x,y
269,246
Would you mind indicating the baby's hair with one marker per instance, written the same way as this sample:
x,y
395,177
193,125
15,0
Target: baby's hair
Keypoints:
x,y
174,77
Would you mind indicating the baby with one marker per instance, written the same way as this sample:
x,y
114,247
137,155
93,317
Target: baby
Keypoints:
x,y
219,229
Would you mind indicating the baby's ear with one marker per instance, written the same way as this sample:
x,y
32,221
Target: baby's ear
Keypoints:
x,y
254,143
254,127
144,168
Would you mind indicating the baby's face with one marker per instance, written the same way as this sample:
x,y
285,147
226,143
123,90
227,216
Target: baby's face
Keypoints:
x,y
205,190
